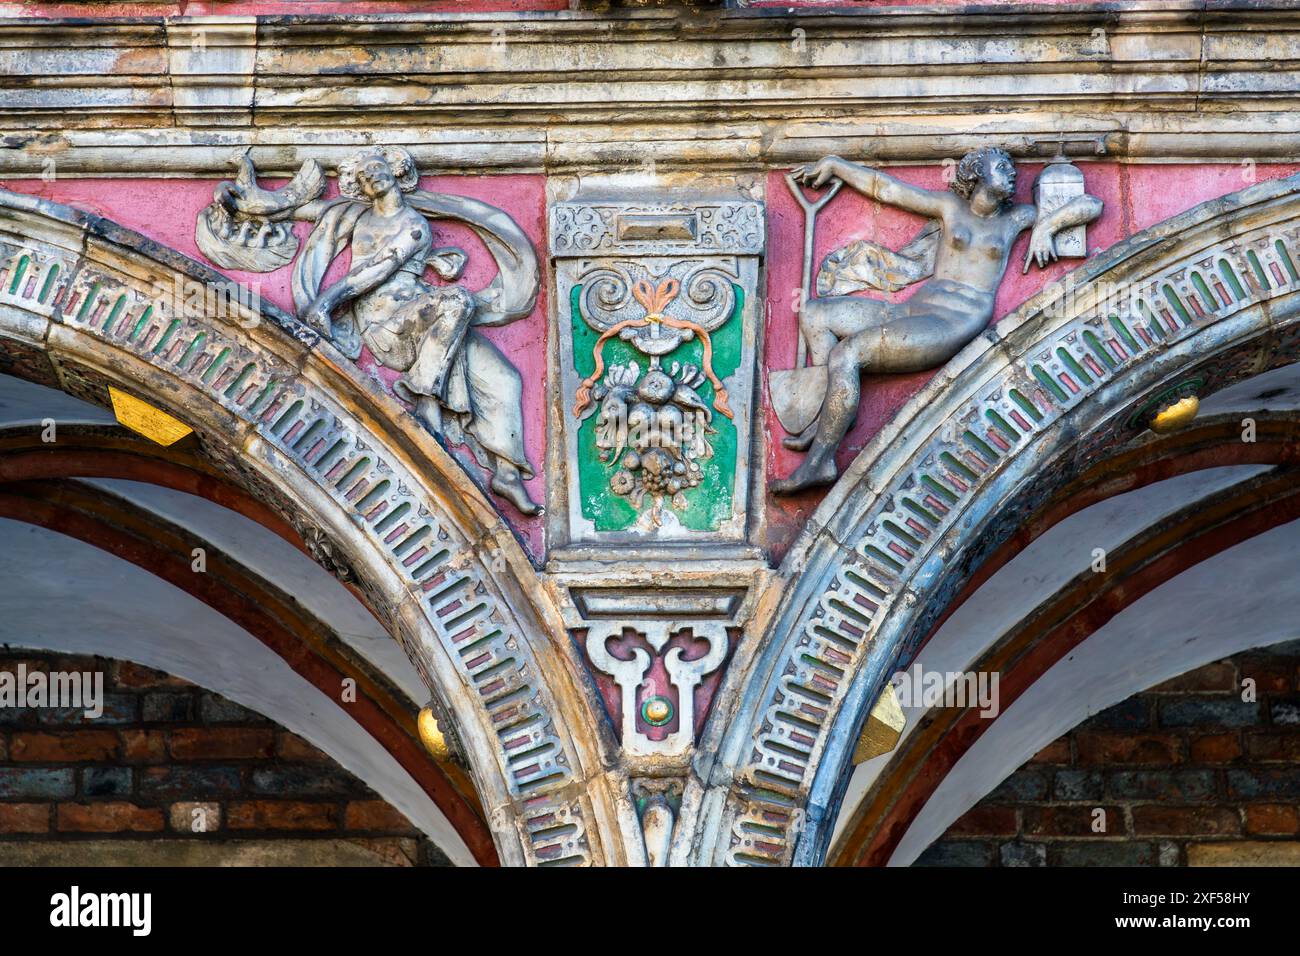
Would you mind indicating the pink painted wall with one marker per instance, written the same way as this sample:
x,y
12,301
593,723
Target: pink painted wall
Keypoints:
x,y
165,210
197,8
1135,196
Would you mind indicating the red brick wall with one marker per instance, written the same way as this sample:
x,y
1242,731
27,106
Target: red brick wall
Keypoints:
x,y
163,749
1187,772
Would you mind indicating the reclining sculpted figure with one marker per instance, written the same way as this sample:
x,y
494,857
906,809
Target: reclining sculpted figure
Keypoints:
x,y
962,256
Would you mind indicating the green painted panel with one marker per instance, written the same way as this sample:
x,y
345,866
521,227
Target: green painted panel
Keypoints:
x,y
708,504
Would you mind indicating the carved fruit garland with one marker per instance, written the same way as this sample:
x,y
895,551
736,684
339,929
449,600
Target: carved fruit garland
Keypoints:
x,y
653,426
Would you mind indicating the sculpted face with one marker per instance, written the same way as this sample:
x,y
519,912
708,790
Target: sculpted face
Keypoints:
x,y
1000,176
375,177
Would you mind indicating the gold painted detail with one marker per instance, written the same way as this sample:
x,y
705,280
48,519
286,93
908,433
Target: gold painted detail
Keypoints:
x,y
431,735
883,730
144,419
1176,416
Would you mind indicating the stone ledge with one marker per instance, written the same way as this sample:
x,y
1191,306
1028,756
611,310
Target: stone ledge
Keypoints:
x,y
721,88
1244,853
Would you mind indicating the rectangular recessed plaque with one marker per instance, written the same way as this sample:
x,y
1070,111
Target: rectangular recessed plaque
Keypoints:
x,y
667,226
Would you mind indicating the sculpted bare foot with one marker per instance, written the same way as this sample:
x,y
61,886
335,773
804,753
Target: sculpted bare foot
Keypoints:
x,y
511,488
810,474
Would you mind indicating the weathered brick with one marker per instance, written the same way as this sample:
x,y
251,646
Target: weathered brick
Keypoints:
x,y
1152,820
1271,675
24,817
281,815
1023,854
117,709
222,743
1021,786
956,853
144,746
108,817
304,781
1272,746
1272,818
1058,751
380,815
1106,748
979,820
40,747
1215,748
169,707
106,781
215,709
137,676
190,817
181,782
289,746
1264,784
1077,785
1179,786
36,783
1131,714
1209,712
1072,821
1215,676
1285,712
1103,853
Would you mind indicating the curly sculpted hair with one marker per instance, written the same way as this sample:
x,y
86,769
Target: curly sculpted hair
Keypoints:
x,y
974,167
398,160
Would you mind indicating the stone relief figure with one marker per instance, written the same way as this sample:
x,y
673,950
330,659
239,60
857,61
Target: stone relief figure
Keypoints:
x,y
961,255
461,385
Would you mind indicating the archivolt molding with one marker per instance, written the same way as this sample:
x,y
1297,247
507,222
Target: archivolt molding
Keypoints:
x,y
276,409
1206,298
1058,624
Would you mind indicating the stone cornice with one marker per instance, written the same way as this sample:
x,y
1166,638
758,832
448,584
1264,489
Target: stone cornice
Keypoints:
x,y
570,91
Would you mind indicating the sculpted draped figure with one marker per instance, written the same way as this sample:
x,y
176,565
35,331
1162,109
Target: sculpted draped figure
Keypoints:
x,y
965,251
461,385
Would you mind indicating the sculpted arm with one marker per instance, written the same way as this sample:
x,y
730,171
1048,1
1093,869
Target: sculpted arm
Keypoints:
x,y
1076,212
364,276
875,184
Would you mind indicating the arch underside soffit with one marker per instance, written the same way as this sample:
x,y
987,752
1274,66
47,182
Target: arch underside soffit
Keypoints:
x,y
1069,379
375,499
1039,603
162,510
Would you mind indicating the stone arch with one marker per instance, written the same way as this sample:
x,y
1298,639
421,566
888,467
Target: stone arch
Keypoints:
x,y
1207,500
276,409
1197,302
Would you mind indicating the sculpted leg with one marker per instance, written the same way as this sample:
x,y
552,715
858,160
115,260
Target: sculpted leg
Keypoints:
x,y
839,409
825,322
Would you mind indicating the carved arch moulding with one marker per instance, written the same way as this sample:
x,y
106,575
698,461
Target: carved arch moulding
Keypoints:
x,y
1179,310
276,407
659,695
